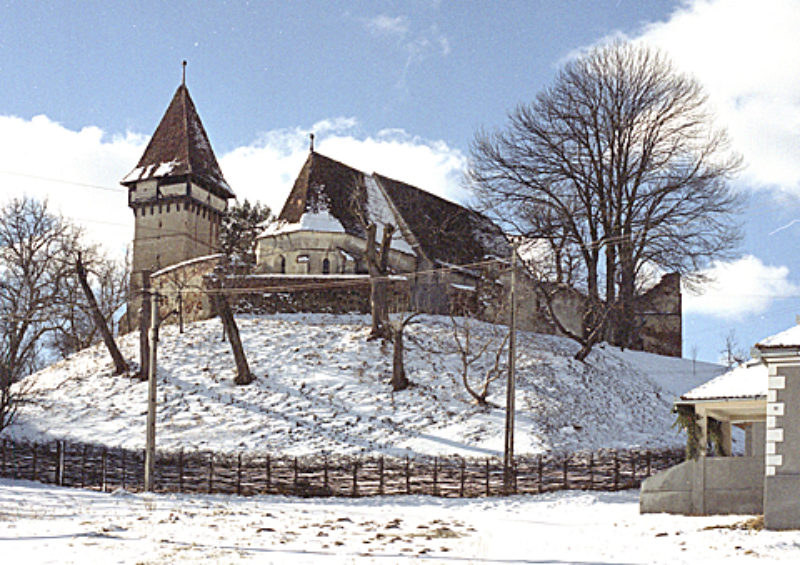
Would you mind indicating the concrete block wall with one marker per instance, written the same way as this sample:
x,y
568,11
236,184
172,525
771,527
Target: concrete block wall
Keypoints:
x,y
782,458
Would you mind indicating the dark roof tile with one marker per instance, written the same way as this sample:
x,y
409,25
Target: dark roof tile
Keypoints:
x,y
180,148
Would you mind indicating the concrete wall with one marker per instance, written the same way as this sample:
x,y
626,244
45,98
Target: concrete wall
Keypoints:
x,y
782,482
303,252
708,485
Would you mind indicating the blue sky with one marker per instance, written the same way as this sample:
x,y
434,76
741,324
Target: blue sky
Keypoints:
x,y
395,87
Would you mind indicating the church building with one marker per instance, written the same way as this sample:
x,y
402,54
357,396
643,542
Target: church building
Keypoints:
x,y
177,193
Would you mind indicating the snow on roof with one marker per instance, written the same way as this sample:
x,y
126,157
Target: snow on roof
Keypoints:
x,y
321,221
786,338
380,213
192,261
180,147
748,380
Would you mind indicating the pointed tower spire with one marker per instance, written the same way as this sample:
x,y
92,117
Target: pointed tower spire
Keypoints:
x,y
183,79
311,145
180,150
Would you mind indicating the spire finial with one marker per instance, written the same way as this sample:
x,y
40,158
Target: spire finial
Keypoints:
x,y
311,147
183,80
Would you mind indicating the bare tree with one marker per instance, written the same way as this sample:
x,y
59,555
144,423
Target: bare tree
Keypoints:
x,y
76,328
733,353
619,163
472,348
378,266
35,268
216,291
120,365
397,327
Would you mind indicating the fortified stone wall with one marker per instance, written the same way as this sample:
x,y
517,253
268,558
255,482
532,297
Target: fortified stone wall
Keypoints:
x,y
659,308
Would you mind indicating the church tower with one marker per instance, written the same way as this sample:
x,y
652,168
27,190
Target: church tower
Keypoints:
x,y
177,192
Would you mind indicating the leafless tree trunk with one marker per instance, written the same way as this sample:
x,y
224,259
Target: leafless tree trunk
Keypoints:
x,y
377,264
470,352
223,308
35,268
8,399
619,162
120,366
399,379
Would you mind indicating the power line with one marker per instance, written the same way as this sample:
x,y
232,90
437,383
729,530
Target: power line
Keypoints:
x,y
63,181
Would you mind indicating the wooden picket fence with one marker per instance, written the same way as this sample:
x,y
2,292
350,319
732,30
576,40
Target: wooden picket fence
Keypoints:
x,y
102,468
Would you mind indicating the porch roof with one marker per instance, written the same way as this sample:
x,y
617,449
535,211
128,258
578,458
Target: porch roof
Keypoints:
x,y
747,381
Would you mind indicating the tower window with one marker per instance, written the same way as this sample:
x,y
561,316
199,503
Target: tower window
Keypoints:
x,y
283,264
185,206
167,208
326,266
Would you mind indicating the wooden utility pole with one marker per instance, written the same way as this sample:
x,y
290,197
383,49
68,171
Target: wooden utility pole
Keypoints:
x,y
144,326
508,452
150,446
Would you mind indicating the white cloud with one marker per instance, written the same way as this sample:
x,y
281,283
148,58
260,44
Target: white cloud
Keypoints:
x,y
33,151
745,53
417,43
42,159
266,169
742,287
387,25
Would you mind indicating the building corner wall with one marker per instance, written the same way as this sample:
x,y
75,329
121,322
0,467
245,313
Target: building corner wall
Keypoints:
x,y
782,459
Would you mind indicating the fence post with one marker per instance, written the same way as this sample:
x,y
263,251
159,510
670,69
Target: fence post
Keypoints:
x,y
210,472
124,465
325,473
540,486
269,472
83,466
463,469
591,471
294,480
566,472
408,476
239,475
33,452
59,478
514,466
633,468
380,475
487,476
180,470
103,467
435,476
355,477
616,471
647,459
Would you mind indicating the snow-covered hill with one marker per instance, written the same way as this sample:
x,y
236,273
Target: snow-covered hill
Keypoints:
x,y
322,387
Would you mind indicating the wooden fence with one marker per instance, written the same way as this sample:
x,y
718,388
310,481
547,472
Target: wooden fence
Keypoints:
x,y
103,468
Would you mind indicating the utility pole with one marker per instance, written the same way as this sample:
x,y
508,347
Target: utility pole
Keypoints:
x,y
150,446
508,452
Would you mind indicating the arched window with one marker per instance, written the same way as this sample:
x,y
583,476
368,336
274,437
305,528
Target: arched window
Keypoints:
x,y
326,266
283,265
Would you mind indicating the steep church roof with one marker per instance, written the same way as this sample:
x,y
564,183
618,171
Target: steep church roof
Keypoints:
x,y
180,148
439,230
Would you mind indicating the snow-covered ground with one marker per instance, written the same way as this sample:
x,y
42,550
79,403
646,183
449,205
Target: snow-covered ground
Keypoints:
x,y
45,524
322,387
